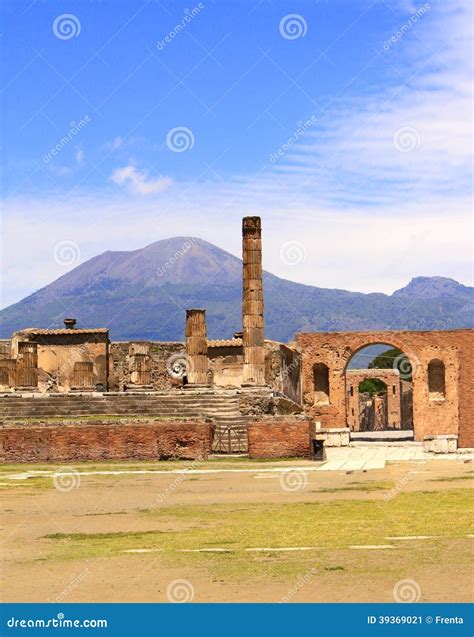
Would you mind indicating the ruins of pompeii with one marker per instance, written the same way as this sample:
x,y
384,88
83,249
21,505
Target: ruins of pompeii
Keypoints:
x,y
245,394
242,469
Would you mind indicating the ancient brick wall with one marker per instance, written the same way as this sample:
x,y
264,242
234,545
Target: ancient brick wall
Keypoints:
x,y
450,415
280,437
283,369
226,363
159,356
5,348
466,393
153,440
391,378
60,360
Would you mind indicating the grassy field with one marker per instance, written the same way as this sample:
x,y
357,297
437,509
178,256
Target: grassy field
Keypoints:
x,y
239,537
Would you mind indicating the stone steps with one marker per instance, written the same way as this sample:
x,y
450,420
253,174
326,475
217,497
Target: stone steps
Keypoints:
x,y
185,405
230,426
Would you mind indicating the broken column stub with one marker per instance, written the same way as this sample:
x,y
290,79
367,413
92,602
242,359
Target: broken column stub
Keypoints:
x,y
196,347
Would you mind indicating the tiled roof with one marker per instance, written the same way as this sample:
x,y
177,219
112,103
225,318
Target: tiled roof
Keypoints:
x,y
64,330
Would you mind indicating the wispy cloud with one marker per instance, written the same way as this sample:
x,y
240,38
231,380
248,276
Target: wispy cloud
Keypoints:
x,y
406,142
80,156
115,143
139,182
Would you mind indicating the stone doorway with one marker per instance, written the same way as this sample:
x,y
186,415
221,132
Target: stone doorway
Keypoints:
x,y
379,390
373,407
82,376
27,365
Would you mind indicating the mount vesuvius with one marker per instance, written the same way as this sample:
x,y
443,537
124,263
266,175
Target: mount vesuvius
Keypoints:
x,y
143,294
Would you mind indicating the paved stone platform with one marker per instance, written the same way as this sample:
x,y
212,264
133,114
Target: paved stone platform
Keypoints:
x,y
382,436
360,456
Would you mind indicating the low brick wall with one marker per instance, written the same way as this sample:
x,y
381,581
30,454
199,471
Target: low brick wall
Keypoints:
x,y
146,440
280,437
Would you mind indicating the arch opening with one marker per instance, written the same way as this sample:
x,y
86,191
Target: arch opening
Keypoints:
x,y
436,380
321,384
379,389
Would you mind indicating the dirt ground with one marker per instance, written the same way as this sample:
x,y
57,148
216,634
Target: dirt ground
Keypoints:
x,y
259,535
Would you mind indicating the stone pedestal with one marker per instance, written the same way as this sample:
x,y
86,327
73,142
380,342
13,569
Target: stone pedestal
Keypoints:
x,y
196,348
447,443
335,437
252,303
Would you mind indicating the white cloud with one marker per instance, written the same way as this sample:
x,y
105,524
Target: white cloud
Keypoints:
x,y
115,143
407,142
350,249
139,182
60,170
80,156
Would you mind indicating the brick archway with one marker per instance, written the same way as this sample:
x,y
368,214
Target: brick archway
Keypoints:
x,y
450,415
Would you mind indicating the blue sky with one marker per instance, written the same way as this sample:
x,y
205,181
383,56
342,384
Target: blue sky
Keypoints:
x,y
345,125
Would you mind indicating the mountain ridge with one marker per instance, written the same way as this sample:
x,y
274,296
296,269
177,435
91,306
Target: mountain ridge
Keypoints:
x,y
143,294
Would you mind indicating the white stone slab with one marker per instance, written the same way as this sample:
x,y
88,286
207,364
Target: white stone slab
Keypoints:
x,y
354,465
374,464
333,465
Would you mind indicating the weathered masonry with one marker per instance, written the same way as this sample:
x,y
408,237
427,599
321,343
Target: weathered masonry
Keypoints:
x,y
51,360
442,370
153,399
252,302
386,410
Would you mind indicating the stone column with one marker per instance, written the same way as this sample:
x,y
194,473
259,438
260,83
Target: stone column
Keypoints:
x,y
252,302
196,346
394,402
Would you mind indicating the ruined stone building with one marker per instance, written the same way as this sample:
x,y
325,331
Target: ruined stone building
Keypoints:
x,y
72,393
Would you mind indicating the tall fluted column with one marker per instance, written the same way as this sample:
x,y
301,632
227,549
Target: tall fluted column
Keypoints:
x,y
196,346
252,302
